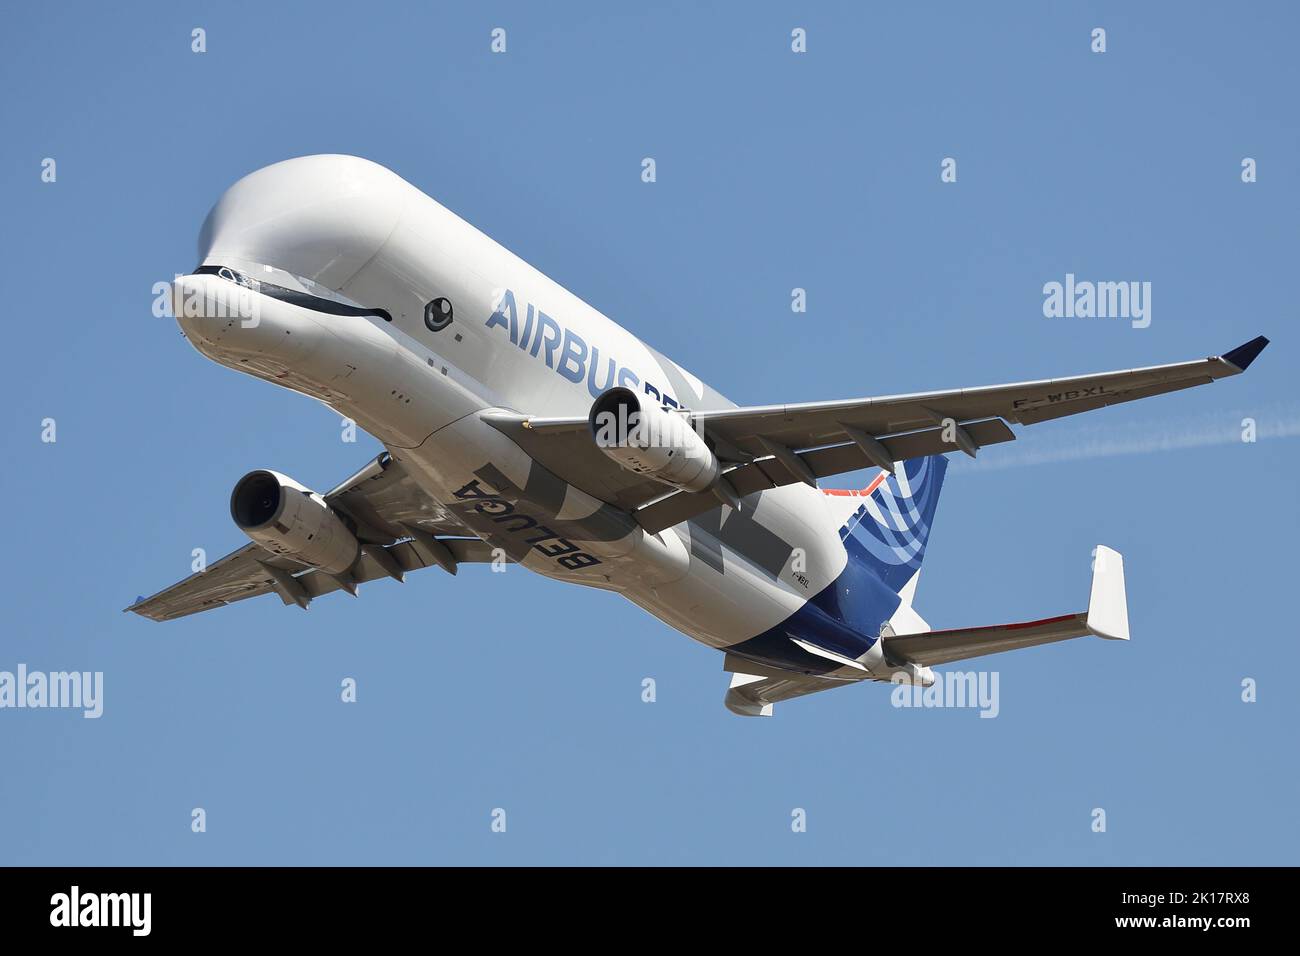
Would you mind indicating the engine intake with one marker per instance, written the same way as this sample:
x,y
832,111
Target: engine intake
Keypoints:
x,y
290,519
647,439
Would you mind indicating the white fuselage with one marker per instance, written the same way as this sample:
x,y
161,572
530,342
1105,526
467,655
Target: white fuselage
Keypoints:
x,y
346,229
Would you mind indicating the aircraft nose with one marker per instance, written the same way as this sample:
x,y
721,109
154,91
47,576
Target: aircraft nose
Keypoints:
x,y
207,308
232,323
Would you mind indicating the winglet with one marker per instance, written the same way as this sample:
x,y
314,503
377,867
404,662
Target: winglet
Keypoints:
x,y
1108,604
1243,355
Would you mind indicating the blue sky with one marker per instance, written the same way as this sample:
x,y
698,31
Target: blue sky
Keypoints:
x,y
775,171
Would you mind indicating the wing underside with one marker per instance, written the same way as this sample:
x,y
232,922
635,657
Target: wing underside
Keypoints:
x,y
400,528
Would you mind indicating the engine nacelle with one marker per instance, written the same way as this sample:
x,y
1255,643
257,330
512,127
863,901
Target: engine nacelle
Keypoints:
x,y
288,519
645,438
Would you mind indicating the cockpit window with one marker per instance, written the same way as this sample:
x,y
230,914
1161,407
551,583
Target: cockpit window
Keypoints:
x,y
231,275
292,296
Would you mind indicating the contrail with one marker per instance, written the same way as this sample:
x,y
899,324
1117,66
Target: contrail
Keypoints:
x,y
1135,438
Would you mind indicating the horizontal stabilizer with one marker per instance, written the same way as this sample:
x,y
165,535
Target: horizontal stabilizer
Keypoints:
x,y
753,695
818,651
747,704
1107,616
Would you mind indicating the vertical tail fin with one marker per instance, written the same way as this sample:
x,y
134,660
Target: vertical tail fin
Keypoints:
x,y
889,528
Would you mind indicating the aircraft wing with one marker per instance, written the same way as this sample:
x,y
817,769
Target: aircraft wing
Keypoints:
x,y
767,446
400,528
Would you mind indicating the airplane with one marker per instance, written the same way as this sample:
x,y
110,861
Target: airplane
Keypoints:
x,y
520,425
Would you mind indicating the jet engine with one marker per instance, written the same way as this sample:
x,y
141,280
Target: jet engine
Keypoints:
x,y
647,439
290,520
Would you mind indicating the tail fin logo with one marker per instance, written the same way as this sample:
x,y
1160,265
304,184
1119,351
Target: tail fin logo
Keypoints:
x,y
890,529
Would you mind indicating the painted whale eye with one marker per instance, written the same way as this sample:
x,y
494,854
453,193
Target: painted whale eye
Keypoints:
x,y
437,314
